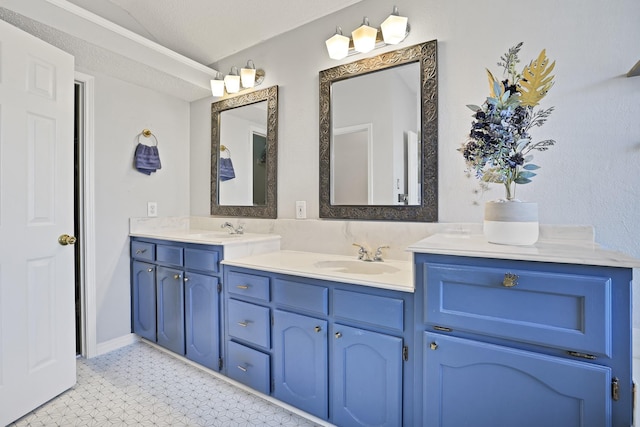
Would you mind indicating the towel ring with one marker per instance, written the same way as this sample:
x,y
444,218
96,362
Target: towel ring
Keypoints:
x,y
224,148
147,134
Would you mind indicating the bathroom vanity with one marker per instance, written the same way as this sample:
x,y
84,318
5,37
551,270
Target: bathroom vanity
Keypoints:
x,y
527,336
469,333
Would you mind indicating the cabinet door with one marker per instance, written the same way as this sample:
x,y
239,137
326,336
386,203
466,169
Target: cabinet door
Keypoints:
x,y
366,378
473,383
202,319
170,294
300,362
143,299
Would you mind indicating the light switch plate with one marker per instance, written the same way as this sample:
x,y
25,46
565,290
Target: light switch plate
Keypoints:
x,y
301,209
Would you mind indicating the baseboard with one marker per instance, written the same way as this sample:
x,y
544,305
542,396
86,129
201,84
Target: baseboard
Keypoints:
x,y
116,343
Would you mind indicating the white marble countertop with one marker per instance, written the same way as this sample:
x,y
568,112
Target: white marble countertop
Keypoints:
x,y
566,251
389,274
210,237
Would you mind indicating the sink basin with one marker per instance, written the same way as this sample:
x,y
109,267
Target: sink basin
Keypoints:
x,y
356,267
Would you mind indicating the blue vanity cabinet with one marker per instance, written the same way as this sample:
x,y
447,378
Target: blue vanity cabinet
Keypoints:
x,y
337,351
176,297
170,309
509,342
143,299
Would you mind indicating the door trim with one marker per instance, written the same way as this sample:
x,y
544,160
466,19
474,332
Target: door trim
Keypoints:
x,y
88,288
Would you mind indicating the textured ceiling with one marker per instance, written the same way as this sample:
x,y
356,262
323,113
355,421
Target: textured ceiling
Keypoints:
x,y
209,30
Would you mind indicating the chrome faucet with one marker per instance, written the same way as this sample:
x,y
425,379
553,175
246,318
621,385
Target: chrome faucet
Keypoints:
x,y
239,230
365,255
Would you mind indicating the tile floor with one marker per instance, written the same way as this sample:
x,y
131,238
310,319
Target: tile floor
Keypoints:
x,y
140,385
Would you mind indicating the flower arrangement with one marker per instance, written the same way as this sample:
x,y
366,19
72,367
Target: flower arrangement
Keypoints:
x,y
499,146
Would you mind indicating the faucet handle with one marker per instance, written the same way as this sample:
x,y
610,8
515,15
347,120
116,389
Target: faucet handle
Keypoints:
x,y
378,255
362,252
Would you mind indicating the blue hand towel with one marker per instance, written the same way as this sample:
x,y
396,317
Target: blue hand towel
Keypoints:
x,y
147,159
226,169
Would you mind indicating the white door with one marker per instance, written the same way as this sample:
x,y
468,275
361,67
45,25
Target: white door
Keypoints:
x,y
37,351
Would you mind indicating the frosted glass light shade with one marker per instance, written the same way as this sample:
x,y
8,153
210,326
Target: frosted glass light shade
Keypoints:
x,y
217,87
338,46
364,37
394,29
232,83
248,75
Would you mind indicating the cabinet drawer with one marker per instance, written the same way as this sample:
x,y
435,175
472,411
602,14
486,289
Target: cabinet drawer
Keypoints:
x,y
204,260
249,322
143,251
372,309
169,254
299,295
248,366
248,285
568,311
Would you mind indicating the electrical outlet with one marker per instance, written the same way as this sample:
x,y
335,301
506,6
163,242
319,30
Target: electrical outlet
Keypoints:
x,y
152,208
301,209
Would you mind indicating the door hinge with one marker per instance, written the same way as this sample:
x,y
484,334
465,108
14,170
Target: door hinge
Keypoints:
x,y
615,389
219,363
219,287
582,355
405,353
442,329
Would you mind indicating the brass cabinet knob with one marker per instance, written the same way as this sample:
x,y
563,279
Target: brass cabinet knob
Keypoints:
x,y
317,329
65,240
177,276
150,270
186,279
433,346
510,280
338,335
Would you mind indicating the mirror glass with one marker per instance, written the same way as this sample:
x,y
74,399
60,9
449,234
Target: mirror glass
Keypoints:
x,y
244,155
378,137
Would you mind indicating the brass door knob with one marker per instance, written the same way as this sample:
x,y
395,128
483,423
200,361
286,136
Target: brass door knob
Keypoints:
x,y
65,240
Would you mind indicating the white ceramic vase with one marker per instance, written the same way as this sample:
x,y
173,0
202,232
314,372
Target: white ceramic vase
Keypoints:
x,y
511,222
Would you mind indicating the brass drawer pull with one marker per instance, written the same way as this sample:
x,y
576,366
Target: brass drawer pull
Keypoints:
x,y
242,368
243,324
140,251
510,280
242,287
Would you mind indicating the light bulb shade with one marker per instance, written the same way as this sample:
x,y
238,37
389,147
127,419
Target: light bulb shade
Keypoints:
x,y
248,77
232,83
364,38
338,46
394,29
217,87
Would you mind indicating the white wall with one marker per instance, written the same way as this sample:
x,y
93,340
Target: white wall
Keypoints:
x,y
122,110
589,177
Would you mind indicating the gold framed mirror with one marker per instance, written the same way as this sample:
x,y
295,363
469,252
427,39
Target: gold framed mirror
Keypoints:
x,y
379,137
244,155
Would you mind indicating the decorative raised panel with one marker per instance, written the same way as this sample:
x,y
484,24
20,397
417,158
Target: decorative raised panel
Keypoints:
x,y
41,135
41,79
41,330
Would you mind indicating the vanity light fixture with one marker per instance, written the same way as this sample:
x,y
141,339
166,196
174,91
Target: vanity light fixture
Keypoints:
x,y
338,45
365,38
233,82
248,75
217,85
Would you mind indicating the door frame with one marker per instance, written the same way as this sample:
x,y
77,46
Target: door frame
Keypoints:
x,y
88,328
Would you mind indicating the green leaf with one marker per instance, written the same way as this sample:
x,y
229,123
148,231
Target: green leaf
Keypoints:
x,y
522,180
531,167
522,143
474,108
528,158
